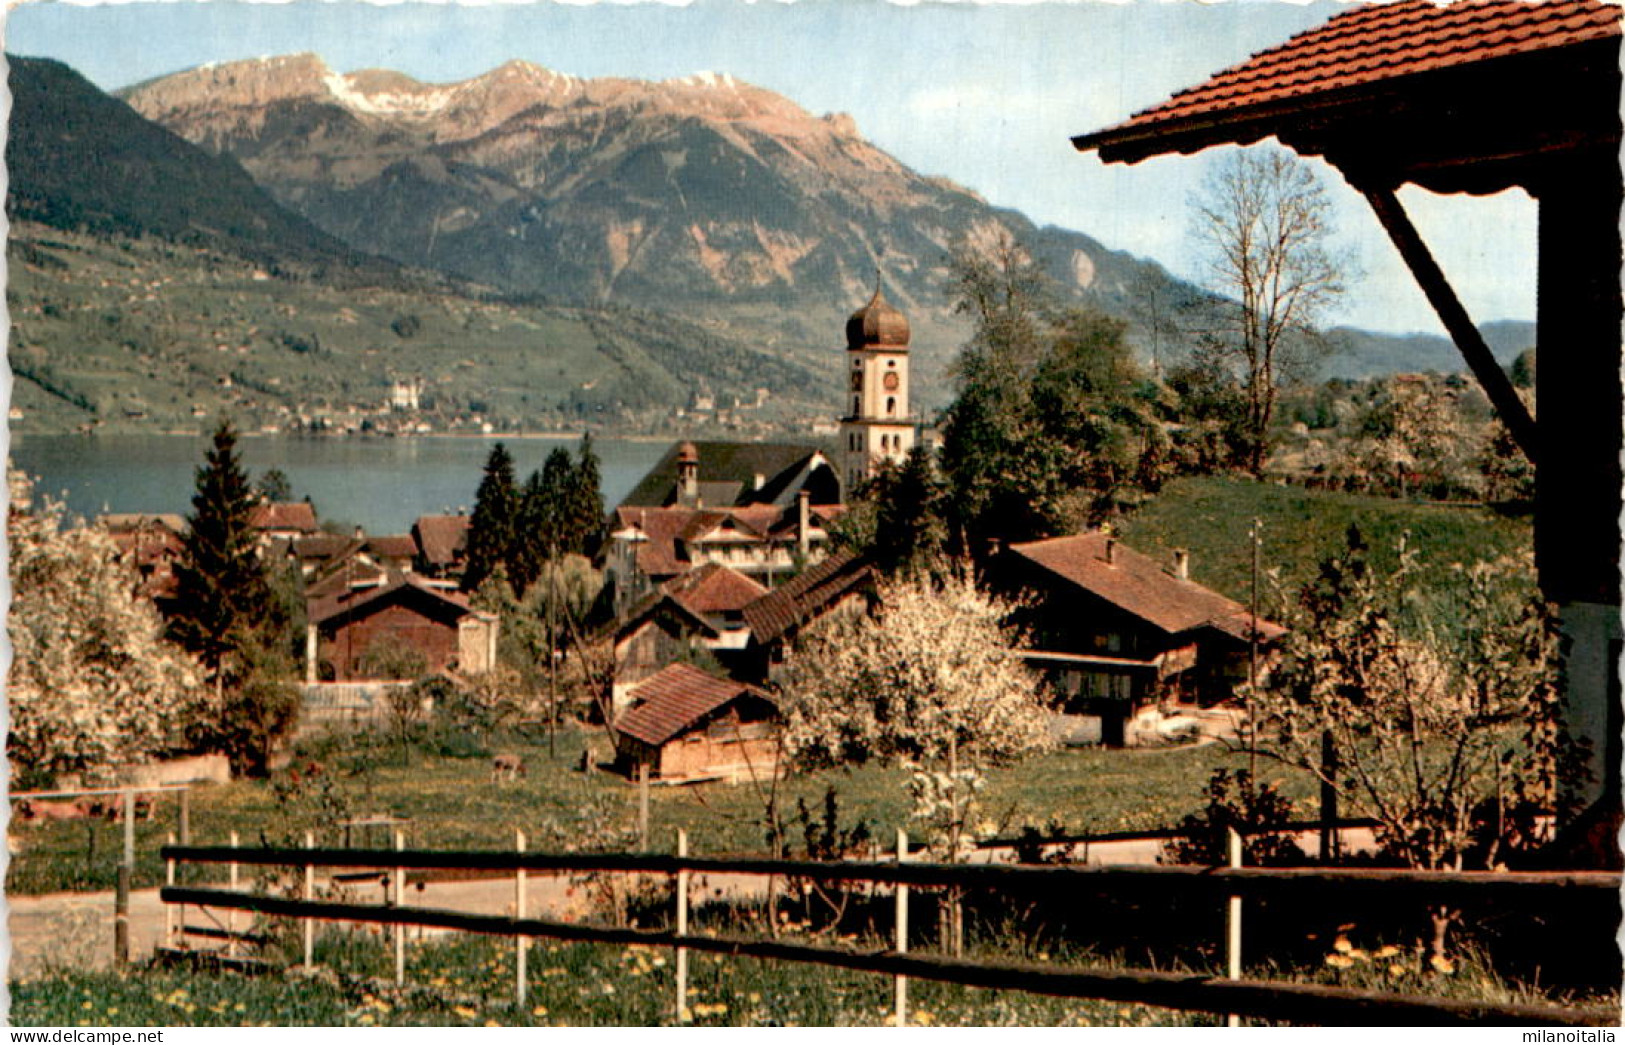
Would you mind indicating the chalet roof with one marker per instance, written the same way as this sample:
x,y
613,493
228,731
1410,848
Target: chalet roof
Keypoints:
x,y
659,554
806,596
394,546
1139,585
440,537
325,606
676,698
724,463
321,546
715,588
1534,68
298,516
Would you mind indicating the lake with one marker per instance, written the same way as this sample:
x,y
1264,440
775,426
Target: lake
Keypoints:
x,y
381,485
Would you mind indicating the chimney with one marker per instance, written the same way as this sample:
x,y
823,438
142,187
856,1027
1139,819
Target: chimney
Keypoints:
x,y
803,522
359,533
994,547
760,480
688,475
1111,551
1182,564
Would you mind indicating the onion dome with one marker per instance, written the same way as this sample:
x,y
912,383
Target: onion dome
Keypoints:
x,y
877,325
688,453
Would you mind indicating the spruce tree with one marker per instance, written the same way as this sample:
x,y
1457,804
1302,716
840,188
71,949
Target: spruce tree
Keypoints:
x,y
222,594
584,511
530,535
492,527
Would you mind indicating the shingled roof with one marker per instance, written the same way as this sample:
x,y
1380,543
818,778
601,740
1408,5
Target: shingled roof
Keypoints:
x,y
1352,58
346,601
676,698
806,595
1139,585
285,515
440,537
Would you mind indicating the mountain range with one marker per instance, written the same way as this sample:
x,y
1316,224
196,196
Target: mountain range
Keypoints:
x,y
701,212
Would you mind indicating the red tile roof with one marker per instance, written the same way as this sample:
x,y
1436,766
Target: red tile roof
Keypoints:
x,y
394,546
714,588
674,699
285,515
1369,45
1139,585
440,537
805,596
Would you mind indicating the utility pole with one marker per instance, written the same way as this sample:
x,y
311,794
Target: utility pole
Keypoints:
x,y
1255,536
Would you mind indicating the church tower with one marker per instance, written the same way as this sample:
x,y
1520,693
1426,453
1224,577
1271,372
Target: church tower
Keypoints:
x,y
877,427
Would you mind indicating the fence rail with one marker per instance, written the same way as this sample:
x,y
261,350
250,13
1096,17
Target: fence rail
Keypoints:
x,y
1269,1000
1263,999
1227,881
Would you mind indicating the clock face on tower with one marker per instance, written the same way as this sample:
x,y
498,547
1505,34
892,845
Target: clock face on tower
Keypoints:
x,y
891,382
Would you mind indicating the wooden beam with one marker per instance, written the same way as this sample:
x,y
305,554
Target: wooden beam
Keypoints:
x,y
1497,386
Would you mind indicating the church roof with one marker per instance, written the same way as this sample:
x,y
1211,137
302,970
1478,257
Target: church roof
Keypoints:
x,y
735,464
877,325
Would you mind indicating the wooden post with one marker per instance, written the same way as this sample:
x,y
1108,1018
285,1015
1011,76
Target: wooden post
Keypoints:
x,y
682,928
231,919
399,890
186,816
521,943
1469,342
643,807
309,893
121,895
901,943
1232,926
1330,841
169,909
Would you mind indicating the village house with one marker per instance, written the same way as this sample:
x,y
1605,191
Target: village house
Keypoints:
x,y
1119,635
700,609
348,621
442,544
685,724
284,520
150,543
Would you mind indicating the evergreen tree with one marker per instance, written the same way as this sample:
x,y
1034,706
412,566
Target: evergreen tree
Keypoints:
x,y
492,528
530,535
558,480
584,513
222,594
910,534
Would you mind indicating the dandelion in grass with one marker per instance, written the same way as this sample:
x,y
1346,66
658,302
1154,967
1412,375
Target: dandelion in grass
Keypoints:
x,y
1339,961
1441,964
540,1010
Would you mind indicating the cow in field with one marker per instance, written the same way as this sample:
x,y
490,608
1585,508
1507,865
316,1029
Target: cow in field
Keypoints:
x,y
507,767
40,811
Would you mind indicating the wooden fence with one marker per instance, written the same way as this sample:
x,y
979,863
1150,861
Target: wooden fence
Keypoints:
x,y
1267,1000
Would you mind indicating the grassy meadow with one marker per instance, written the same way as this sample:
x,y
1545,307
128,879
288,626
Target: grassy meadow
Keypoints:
x,y
452,803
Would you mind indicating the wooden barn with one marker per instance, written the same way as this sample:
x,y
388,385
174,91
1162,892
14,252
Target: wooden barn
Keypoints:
x,y
398,610
685,724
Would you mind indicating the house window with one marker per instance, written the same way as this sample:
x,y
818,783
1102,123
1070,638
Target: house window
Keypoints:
x,y
857,406
891,406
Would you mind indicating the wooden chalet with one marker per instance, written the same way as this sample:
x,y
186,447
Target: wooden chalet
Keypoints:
x,y
348,619
1117,633
1478,97
685,724
841,583
700,609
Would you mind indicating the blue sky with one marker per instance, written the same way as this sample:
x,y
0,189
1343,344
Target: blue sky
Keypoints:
x,y
985,94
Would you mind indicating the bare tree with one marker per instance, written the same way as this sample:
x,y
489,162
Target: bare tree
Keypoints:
x,y
1265,219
